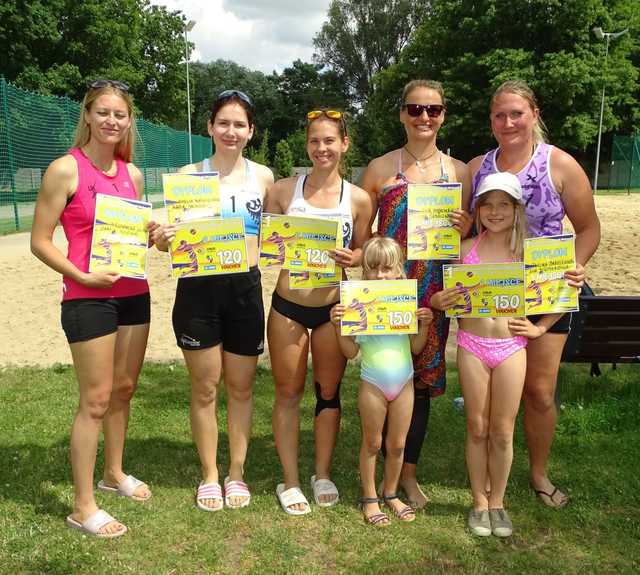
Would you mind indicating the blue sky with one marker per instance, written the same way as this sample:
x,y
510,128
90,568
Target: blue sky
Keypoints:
x,y
263,35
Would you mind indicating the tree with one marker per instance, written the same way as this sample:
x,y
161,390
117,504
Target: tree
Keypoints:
x,y
55,47
283,160
261,154
551,47
362,37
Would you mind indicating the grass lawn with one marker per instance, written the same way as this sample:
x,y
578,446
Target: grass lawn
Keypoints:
x,y
595,456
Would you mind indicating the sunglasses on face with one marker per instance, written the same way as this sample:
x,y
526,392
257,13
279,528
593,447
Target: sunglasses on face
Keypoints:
x,y
432,110
103,83
332,114
238,94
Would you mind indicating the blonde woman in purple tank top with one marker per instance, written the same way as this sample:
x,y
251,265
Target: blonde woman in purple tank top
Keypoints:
x,y
553,185
105,317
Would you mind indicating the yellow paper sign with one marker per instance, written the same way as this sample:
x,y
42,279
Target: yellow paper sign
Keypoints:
x,y
545,261
120,237
380,307
191,196
209,247
430,233
486,290
298,243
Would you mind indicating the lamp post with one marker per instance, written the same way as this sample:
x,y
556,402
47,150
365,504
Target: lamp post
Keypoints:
x,y
187,28
606,36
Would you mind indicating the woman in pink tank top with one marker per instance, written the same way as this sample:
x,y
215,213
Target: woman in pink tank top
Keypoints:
x,y
553,184
105,317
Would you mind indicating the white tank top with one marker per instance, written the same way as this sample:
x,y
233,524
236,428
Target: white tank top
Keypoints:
x,y
300,207
244,201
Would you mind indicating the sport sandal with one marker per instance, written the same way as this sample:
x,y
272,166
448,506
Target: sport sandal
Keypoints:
x,y
406,514
379,519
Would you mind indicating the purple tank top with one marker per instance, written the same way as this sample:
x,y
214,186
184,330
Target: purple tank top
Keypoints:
x,y
544,207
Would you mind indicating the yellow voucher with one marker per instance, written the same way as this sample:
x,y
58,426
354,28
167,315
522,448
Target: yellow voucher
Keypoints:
x,y
486,290
209,247
546,259
379,307
430,233
191,196
298,243
120,237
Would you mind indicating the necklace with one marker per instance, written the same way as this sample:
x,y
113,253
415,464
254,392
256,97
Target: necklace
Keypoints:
x,y
419,161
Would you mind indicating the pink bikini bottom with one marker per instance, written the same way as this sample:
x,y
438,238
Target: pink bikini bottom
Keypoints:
x,y
490,351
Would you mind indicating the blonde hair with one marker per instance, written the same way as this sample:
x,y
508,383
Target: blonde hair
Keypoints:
x,y
124,148
521,88
520,225
383,251
420,83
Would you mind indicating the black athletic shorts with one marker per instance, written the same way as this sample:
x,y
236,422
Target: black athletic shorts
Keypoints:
x,y
87,318
563,325
224,309
309,317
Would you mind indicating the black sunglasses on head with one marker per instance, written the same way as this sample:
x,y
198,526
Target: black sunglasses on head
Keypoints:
x,y
238,94
432,110
103,83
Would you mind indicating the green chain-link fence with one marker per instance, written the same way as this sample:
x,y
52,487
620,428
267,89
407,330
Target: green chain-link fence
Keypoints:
x,y
35,129
624,169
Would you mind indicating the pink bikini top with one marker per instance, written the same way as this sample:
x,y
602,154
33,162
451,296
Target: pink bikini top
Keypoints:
x,y
472,256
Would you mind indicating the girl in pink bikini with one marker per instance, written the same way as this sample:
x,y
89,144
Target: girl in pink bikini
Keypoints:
x,y
492,356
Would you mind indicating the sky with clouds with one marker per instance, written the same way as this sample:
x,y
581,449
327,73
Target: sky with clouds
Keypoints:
x,y
263,35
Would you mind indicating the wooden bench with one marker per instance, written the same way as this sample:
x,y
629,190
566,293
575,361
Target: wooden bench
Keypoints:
x,y
605,330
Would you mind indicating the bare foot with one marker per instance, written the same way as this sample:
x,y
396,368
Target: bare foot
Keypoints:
x,y
415,495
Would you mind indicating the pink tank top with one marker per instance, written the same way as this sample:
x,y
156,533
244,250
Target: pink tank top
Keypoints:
x,y
77,222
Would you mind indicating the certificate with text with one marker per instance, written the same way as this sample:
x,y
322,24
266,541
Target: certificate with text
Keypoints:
x,y
120,238
298,243
546,259
191,196
213,246
430,233
486,290
379,307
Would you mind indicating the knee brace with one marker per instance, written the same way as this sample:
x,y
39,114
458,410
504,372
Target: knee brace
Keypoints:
x,y
321,403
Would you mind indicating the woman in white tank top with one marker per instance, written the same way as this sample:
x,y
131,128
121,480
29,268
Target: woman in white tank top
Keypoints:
x,y
299,318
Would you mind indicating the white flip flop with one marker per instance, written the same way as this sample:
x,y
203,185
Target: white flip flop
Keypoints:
x,y
292,496
324,487
126,488
95,522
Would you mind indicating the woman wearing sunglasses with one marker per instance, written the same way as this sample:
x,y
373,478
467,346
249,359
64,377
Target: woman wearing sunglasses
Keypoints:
x,y
105,317
422,113
299,320
554,185
219,320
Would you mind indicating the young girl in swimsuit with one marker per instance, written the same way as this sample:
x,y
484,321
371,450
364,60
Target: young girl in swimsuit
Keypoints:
x,y
386,390
492,356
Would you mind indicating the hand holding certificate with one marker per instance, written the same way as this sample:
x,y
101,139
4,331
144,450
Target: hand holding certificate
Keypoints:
x,y
298,243
430,233
120,236
380,307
